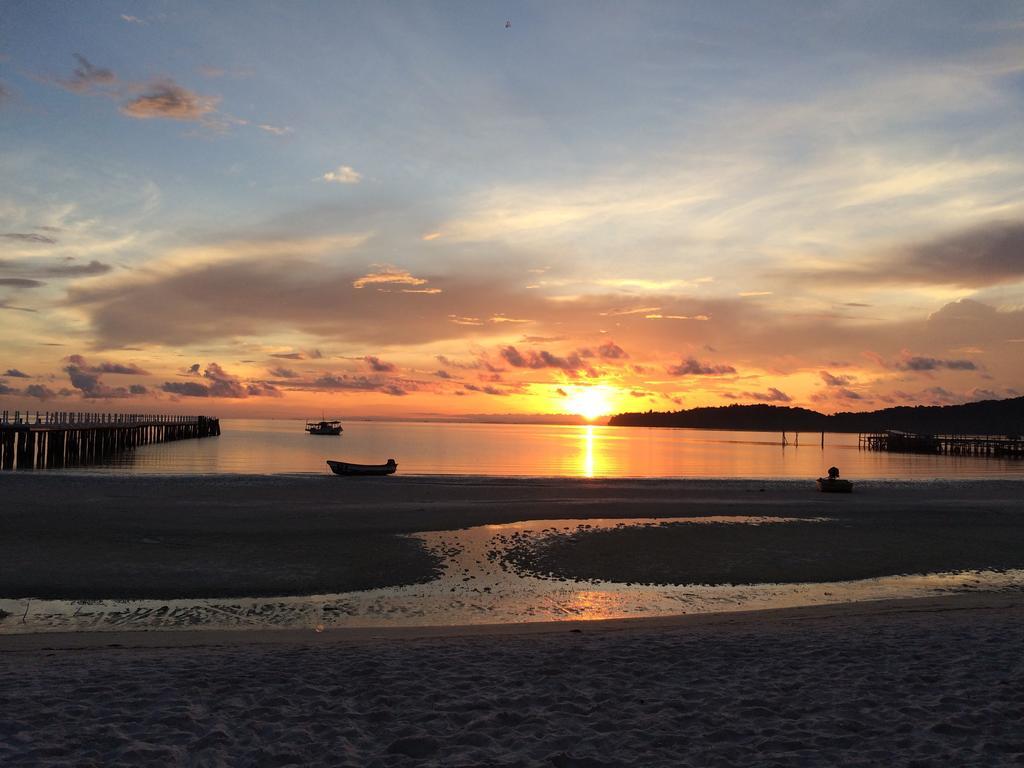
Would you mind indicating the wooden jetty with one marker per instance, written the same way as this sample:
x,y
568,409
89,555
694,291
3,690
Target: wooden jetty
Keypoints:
x,y
62,438
994,446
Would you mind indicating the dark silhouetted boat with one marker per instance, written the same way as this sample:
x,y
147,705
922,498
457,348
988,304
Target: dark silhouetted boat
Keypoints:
x,y
347,468
827,485
832,483
323,427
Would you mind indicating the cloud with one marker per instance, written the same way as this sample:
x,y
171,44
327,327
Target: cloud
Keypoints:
x,y
465,320
834,381
572,363
623,311
90,385
165,99
132,19
377,365
388,275
442,374
611,351
19,282
29,237
693,367
487,390
8,390
773,395
35,268
343,174
87,77
106,367
984,255
4,96
186,388
332,382
918,363
481,363
283,373
276,130
87,378
40,392
14,373
677,317
5,305
221,384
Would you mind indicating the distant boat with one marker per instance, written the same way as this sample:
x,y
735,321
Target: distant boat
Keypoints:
x,y
834,485
323,427
347,468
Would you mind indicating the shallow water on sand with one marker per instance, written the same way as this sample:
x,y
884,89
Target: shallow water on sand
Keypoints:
x,y
253,446
480,586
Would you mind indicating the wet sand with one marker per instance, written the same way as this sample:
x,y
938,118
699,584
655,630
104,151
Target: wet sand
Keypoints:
x,y
910,683
87,537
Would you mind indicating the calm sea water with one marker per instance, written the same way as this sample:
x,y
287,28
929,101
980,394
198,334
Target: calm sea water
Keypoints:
x,y
281,446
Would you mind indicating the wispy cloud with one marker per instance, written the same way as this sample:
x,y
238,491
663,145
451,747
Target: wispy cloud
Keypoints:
x,y
62,269
87,77
277,130
20,282
29,237
165,99
343,174
691,366
388,276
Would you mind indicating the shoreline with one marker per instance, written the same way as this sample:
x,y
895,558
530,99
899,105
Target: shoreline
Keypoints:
x,y
765,618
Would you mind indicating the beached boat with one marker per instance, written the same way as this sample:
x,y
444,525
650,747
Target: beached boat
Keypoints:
x,y
347,468
323,427
834,485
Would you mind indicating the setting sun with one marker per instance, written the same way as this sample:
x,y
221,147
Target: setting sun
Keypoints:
x,y
591,402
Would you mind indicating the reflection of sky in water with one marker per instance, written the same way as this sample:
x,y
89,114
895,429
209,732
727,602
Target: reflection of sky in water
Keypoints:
x,y
477,589
420,448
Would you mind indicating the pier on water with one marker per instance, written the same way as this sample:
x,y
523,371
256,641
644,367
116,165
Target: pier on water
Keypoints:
x,y
63,438
994,446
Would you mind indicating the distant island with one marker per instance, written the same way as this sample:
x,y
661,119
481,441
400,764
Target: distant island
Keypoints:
x,y
986,417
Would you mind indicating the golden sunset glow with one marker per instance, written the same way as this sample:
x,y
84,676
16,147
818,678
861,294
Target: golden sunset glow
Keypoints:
x,y
591,402
218,235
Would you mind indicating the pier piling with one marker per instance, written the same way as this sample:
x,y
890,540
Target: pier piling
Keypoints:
x,y
994,446
59,439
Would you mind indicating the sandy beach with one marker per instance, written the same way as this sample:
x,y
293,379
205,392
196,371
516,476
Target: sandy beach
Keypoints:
x,y
933,681
912,683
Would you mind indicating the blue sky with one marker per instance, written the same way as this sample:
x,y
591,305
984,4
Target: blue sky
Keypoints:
x,y
732,180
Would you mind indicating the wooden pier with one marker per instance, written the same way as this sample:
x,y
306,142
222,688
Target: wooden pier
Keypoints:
x,y
993,446
61,439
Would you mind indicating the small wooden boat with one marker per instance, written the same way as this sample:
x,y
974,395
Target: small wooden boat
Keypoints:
x,y
347,468
323,427
834,485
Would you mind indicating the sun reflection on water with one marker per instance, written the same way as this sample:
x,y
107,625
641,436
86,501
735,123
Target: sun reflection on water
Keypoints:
x,y
588,451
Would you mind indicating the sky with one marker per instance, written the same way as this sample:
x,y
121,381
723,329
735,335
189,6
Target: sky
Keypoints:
x,y
457,208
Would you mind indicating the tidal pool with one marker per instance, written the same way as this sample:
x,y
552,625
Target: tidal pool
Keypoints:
x,y
480,586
